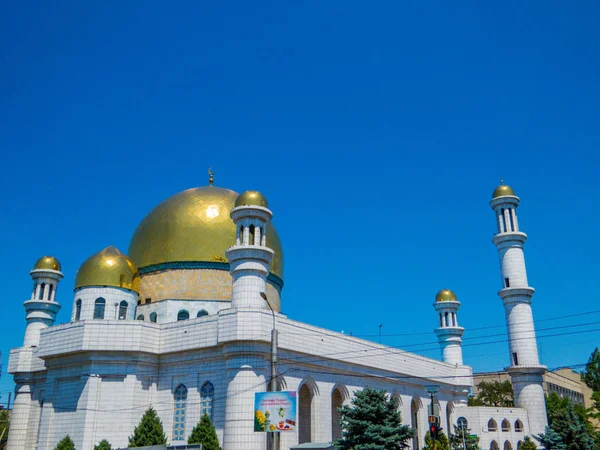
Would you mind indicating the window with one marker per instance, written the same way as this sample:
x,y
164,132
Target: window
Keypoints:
x,y
202,313
179,413
153,317
78,309
148,300
492,426
504,221
505,425
99,306
462,423
506,282
140,317
123,310
41,293
518,426
207,393
515,359
50,292
183,315
494,446
512,221
507,445
251,239
519,445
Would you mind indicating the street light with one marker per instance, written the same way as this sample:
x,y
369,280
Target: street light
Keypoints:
x,y
273,380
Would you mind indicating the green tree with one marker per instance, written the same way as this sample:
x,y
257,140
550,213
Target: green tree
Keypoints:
x,y
372,422
442,442
566,423
204,433
591,374
103,445
551,440
528,444
149,431
494,393
462,438
4,426
65,444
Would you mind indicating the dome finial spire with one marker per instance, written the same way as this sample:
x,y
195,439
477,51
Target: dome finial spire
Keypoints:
x,y
501,182
211,178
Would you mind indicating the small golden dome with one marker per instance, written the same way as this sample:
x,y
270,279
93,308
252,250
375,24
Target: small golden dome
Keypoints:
x,y
109,267
445,295
47,262
251,198
502,190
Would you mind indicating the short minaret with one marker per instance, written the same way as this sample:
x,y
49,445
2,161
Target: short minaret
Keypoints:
x,y
525,370
42,307
249,258
449,333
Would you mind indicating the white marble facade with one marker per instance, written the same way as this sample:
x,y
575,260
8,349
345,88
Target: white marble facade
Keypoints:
x,y
94,378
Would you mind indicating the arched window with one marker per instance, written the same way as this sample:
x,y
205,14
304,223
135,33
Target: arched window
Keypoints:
x,y
123,310
78,309
305,399
447,321
336,403
492,426
140,317
494,446
518,426
415,406
462,423
41,293
179,413
251,238
153,317
505,425
519,445
99,306
507,445
242,235
202,313
207,392
50,291
183,315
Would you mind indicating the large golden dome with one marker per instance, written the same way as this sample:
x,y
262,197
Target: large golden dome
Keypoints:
x,y
108,267
192,226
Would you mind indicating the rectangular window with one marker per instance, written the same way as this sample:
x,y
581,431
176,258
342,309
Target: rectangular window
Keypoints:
x,y
506,282
515,359
148,300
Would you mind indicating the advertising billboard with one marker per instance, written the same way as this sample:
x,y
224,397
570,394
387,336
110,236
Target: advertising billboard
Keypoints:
x,y
275,411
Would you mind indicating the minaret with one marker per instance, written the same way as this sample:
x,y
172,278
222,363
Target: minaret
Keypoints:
x,y
449,333
525,370
249,258
42,307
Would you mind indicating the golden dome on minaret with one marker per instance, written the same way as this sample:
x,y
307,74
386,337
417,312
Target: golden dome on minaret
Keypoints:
x,y
193,226
445,295
502,190
108,267
47,262
251,198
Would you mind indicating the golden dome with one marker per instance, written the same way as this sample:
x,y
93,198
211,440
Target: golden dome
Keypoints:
x,y
47,262
445,295
251,198
109,267
502,190
193,225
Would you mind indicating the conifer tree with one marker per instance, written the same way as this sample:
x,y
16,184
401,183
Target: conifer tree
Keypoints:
x,y
65,444
528,444
551,440
442,442
373,422
591,374
149,431
103,445
461,439
204,433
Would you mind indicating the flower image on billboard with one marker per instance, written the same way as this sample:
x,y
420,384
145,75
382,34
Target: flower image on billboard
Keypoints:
x,y
275,411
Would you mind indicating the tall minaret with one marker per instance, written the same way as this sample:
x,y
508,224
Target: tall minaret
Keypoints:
x,y
449,333
42,307
525,369
249,258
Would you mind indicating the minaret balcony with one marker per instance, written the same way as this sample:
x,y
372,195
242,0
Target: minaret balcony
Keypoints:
x,y
509,239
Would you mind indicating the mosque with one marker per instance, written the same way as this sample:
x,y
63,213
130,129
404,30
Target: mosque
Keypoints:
x,y
183,323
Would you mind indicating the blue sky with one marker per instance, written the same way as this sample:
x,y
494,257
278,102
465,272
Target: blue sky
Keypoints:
x,y
377,132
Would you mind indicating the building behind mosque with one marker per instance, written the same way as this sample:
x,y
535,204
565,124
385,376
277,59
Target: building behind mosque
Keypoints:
x,y
182,323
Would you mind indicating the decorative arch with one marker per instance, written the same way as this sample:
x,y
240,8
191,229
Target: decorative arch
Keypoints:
x,y
183,315
505,425
337,401
494,446
492,426
507,445
518,426
307,391
140,317
153,317
202,313
99,307
519,445
449,412
180,397
415,407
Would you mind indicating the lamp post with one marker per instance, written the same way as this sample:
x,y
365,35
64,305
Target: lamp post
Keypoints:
x,y
273,381
433,424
